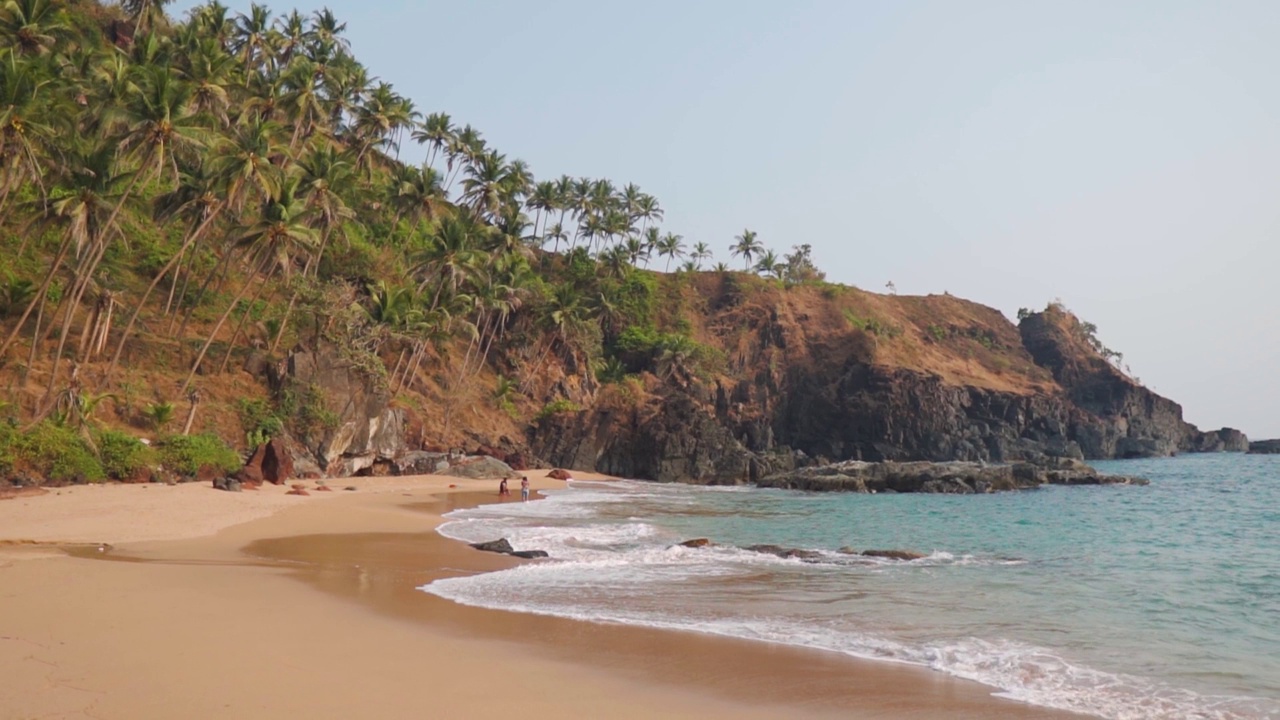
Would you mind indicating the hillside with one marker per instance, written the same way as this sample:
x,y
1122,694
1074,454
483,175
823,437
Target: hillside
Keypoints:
x,y
209,242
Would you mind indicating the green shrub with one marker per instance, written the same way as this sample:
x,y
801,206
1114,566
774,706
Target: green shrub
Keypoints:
x,y
122,454
186,454
555,407
937,333
58,453
159,413
258,418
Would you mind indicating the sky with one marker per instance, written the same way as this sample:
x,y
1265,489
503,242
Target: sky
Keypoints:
x,y
1121,157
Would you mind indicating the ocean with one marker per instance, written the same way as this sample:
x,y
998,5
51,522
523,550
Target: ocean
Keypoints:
x,y
1116,601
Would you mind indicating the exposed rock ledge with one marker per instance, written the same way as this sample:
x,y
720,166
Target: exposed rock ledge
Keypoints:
x,y
949,477
1265,447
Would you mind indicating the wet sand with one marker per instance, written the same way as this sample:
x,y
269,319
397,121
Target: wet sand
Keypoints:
x,y
312,611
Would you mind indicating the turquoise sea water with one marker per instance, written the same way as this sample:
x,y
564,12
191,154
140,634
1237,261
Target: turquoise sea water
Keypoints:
x,y
1122,602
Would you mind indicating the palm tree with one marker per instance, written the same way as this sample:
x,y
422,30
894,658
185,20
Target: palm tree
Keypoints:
x,y
198,197
269,244
323,174
543,199
436,131
769,265
251,38
701,251
672,246
484,188
146,14
746,246
451,257
32,27
26,132
418,194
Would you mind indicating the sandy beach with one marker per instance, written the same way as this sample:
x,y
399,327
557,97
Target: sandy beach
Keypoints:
x,y
153,601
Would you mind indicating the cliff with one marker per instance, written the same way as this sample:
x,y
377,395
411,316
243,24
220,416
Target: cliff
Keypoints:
x,y
815,375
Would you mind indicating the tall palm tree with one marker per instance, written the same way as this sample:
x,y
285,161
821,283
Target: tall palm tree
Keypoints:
x,y
146,14
274,242
32,27
769,265
436,131
671,246
747,246
26,130
199,199
252,38
324,174
486,185
701,251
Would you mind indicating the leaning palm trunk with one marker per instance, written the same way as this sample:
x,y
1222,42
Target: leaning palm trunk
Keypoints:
x,y
81,286
204,288
39,298
218,326
231,345
128,328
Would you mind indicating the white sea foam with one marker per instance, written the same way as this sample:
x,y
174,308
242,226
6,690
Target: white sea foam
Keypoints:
x,y
627,570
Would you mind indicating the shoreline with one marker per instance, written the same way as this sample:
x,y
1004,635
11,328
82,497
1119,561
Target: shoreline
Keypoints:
x,y
315,609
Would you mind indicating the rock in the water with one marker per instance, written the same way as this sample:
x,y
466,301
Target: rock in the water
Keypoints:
x,y
696,543
950,477
786,553
1265,447
560,474
893,554
480,468
497,546
1224,440
502,546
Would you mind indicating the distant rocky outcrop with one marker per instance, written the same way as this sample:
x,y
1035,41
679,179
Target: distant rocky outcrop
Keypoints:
x,y
1265,447
800,395
961,478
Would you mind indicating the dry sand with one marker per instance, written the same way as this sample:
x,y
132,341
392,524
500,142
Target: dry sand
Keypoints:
x,y
139,602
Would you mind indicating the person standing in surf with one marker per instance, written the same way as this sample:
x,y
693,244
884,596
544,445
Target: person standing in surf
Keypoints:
x,y
524,488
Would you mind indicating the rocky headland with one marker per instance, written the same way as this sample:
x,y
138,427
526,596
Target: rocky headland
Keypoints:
x,y
959,478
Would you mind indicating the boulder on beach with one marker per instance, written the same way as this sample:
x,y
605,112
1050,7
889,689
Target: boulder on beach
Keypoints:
x,y
480,468
560,474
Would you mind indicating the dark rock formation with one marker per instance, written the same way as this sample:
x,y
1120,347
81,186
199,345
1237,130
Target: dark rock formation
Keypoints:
x,y
681,441
892,554
695,543
364,428
787,553
798,398
952,477
271,462
495,546
227,484
560,474
529,554
1265,447
1224,440
503,547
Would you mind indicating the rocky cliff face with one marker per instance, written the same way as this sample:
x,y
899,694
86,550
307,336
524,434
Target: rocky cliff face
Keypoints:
x,y
798,392
347,423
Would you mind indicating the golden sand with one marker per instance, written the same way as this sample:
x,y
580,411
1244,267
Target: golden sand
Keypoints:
x,y
184,602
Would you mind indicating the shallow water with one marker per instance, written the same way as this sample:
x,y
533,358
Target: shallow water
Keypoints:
x,y
1121,602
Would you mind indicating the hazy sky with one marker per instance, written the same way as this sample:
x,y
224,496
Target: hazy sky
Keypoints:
x,y
1124,157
